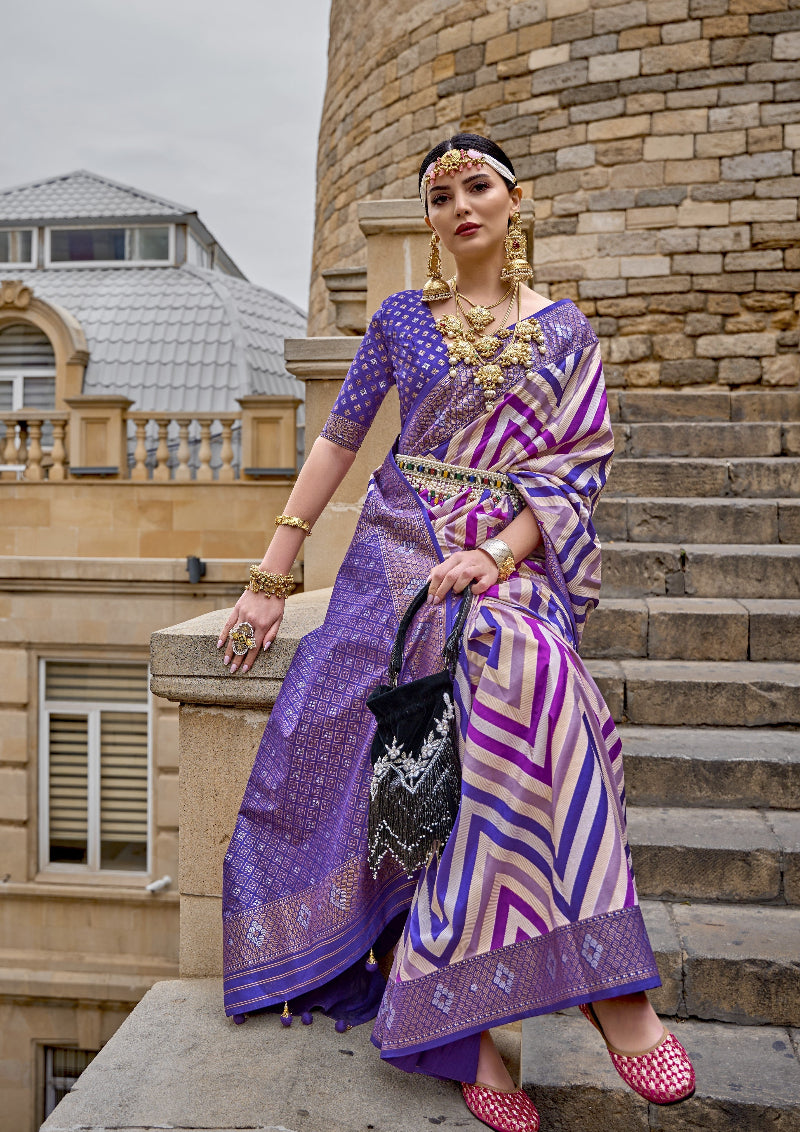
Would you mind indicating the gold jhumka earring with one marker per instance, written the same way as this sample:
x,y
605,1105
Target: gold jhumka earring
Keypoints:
x,y
516,268
435,287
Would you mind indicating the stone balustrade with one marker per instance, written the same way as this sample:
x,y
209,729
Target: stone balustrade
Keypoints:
x,y
33,446
100,437
186,446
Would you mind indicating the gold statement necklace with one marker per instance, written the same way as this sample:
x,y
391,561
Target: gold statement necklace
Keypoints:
x,y
489,356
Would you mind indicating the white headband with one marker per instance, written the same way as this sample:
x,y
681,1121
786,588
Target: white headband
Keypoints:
x,y
454,160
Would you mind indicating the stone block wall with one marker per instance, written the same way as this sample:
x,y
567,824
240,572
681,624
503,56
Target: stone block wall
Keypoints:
x,y
659,139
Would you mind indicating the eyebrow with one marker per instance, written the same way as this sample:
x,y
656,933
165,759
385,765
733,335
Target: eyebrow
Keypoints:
x,y
466,181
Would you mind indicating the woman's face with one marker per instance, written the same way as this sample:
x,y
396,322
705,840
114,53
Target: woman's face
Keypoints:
x,y
469,210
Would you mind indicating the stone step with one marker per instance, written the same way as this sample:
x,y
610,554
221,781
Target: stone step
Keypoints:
x,y
712,766
718,519
726,962
700,570
694,628
748,1079
762,477
711,854
698,439
634,405
722,439
666,693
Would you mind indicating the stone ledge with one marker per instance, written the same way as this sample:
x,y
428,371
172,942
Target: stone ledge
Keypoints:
x,y
88,986
177,1062
26,568
185,664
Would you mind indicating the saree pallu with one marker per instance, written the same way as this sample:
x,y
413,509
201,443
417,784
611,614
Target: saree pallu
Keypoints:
x,y
531,906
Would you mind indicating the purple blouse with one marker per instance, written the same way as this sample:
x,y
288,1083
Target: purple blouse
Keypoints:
x,y
402,347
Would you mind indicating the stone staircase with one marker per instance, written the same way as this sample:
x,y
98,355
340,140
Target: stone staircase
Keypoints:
x,y
696,646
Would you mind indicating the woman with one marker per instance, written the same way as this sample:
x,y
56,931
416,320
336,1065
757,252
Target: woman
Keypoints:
x,y
531,905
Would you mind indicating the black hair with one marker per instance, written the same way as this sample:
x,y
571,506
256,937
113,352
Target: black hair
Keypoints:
x,y
467,141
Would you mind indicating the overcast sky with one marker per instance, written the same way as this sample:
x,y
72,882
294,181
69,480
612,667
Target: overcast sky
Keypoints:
x,y
214,105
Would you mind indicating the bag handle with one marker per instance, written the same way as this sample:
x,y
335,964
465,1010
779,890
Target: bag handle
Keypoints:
x,y
451,645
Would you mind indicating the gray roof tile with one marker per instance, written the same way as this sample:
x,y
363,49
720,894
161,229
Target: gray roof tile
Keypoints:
x,y
175,339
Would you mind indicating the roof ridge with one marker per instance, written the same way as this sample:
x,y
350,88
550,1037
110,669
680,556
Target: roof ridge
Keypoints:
x,y
100,179
39,182
215,283
271,293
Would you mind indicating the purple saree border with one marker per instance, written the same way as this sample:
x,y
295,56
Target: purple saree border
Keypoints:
x,y
503,1020
353,941
444,1002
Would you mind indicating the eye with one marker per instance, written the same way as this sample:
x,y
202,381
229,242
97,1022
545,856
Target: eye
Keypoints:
x,y
481,185
439,198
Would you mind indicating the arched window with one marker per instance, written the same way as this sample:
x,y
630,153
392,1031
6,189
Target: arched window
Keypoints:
x,y
27,368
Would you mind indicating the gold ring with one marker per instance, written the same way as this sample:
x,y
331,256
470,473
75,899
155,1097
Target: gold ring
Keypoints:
x,y
243,638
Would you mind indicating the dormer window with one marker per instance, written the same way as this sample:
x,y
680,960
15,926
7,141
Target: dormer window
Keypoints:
x,y
17,246
106,246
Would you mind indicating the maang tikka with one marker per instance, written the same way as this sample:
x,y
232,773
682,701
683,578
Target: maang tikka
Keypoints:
x,y
516,268
435,288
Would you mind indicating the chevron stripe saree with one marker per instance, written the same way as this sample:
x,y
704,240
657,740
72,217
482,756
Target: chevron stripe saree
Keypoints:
x,y
531,906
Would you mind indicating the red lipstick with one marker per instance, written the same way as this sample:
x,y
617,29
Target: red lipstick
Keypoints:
x,y
464,228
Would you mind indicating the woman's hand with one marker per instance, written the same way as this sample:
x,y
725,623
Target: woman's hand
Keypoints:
x,y
264,614
457,571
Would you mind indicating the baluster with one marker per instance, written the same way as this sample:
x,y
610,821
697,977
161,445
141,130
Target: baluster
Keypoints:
x,y
58,454
34,470
10,449
22,447
139,470
204,471
226,473
161,470
183,472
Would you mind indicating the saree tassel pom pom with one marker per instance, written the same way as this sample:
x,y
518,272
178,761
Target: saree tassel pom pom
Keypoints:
x,y
306,1017
286,1017
341,1026
372,963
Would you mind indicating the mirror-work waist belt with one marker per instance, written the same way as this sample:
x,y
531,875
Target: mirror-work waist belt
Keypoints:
x,y
438,481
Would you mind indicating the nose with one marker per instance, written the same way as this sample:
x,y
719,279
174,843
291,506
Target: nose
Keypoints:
x,y
461,202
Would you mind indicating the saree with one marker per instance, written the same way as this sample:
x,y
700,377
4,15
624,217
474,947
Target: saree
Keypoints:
x,y
531,905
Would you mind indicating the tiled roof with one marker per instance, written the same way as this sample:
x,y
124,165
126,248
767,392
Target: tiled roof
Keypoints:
x,y
81,196
175,339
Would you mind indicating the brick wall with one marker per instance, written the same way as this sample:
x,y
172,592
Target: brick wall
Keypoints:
x,y
659,139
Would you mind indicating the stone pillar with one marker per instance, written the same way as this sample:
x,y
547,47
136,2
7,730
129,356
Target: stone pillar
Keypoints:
x,y
222,720
347,290
322,364
269,435
97,435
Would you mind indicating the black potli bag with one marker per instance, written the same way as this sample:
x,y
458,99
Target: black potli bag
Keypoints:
x,y
416,772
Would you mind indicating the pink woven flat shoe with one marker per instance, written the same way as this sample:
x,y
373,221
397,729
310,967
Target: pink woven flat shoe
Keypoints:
x,y
662,1074
505,1112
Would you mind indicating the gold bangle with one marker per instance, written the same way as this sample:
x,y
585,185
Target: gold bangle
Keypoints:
x,y
293,521
271,585
501,553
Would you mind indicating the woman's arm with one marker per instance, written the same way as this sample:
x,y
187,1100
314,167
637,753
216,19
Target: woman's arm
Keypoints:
x,y
325,468
521,536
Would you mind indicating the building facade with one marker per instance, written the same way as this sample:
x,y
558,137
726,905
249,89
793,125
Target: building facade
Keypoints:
x,y
659,140
147,419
